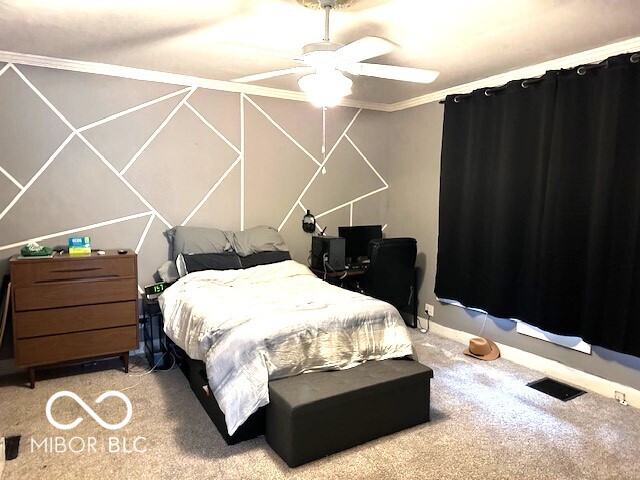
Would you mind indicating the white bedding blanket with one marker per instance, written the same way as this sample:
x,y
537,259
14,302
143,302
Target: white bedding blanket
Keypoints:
x,y
274,321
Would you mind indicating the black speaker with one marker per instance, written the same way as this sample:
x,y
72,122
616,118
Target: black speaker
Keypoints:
x,y
327,253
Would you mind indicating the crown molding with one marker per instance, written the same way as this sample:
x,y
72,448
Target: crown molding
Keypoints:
x,y
588,56
581,58
169,78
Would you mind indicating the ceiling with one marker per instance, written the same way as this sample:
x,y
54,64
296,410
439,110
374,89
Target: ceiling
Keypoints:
x,y
465,40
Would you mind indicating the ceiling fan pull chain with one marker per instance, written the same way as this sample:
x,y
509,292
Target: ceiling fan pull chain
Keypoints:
x,y
324,139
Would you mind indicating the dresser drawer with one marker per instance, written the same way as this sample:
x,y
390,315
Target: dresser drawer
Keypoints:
x,y
67,294
39,272
72,346
37,323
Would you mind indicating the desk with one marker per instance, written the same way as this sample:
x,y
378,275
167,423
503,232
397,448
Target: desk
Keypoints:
x,y
348,279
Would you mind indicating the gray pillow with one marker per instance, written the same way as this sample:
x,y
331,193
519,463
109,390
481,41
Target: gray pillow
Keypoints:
x,y
197,240
257,239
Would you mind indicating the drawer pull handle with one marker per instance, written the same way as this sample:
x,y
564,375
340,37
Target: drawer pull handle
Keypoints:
x,y
70,270
81,279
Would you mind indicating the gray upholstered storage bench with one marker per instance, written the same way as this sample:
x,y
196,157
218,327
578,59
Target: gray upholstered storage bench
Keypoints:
x,y
313,415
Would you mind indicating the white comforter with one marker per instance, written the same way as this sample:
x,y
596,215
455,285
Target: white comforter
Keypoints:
x,y
274,321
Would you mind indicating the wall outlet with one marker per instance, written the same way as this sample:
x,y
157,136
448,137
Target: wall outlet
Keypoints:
x,y
429,309
621,397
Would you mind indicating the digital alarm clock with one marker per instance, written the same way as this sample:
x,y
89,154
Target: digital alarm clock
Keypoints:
x,y
153,291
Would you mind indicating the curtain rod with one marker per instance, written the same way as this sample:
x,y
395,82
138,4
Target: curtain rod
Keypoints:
x,y
580,70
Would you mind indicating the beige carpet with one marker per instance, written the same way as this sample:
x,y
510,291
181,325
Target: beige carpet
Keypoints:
x,y
486,424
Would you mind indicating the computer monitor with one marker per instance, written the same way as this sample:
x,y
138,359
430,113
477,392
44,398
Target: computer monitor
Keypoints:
x,y
357,239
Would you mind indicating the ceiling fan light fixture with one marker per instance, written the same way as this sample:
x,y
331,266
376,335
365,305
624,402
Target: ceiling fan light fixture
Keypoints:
x,y
325,88
324,58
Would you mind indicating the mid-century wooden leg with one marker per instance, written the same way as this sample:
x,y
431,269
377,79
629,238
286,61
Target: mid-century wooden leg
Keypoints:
x,y
32,377
125,361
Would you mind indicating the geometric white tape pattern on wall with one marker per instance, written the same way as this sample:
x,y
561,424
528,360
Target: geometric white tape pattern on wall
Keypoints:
x,y
120,136
363,183
151,210
180,166
276,168
321,165
85,98
352,202
78,133
24,116
74,133
75,189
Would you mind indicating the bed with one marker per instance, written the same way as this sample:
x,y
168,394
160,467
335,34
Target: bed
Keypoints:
x,y
268,321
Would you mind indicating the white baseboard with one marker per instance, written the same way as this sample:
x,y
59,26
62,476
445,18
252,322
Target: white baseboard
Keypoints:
x,y
549,367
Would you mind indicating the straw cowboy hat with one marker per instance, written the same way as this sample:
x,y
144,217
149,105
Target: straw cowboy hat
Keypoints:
x,y
482,348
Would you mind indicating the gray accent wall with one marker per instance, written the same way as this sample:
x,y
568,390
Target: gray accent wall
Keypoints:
x,y
123,160
414,181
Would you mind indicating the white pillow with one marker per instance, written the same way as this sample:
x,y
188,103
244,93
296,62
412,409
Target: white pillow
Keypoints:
x,y
182,267
168,272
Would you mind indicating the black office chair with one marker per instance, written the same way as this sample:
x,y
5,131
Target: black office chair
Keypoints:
x,y
391,275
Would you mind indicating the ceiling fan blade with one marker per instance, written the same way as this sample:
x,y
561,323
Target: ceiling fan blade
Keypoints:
x,y
365,48
266,51
275,73
392,72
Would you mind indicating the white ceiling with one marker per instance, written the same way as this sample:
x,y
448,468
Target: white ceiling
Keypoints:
x,y
465,40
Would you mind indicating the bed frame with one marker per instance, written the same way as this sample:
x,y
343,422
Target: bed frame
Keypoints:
x,y
196,374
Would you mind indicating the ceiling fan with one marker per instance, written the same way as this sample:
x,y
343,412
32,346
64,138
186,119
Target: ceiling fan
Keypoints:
x,y
324,64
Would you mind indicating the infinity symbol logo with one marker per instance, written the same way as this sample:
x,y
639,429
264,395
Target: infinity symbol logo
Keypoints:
x,y
89,410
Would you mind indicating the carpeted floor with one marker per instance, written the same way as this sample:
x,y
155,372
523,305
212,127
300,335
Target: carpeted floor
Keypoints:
x,y
486,424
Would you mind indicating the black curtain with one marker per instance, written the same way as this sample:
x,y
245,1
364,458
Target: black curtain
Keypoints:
x,y
540,203
495,154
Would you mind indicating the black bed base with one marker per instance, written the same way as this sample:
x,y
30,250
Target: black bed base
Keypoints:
x,y
342,408
196,374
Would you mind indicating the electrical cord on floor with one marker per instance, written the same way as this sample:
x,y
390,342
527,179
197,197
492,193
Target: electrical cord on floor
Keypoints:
x,y
421,328
174,352
146,372
484,324
136,361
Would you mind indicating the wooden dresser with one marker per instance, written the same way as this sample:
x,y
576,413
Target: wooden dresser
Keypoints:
x,y
69,308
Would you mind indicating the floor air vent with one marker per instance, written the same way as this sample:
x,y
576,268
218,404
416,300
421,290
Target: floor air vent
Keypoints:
x,y
556,389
